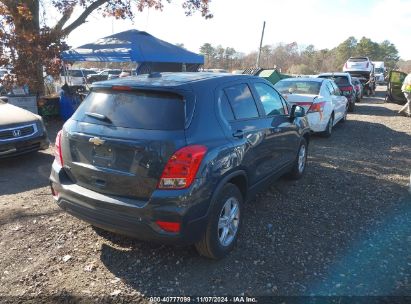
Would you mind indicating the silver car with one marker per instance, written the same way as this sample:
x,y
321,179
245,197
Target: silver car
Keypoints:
x,y
20,131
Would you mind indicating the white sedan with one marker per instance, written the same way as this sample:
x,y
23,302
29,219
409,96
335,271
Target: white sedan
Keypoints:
x,y
321,99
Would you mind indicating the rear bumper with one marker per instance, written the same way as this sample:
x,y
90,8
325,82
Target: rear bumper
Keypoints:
x,y
317,122
11,149
136,218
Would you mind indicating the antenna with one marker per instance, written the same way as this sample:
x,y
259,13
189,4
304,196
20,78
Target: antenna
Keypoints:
x,y
261,45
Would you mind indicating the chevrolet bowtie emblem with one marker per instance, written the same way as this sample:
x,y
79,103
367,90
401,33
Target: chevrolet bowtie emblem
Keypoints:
x,y
97,141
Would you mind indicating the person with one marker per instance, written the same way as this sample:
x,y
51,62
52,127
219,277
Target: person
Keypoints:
x,y
406,89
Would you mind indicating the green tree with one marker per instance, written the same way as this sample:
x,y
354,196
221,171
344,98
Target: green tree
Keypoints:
x,y
209,51
366,47
345,50
388,53
229,54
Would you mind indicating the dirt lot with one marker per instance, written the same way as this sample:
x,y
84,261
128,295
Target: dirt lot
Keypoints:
x,y
344,229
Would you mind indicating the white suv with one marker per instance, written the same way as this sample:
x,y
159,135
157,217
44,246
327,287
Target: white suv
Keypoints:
x,y
358,64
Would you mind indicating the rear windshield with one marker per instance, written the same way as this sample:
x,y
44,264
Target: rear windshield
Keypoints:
x,y
359,59
379,70
136,110
339,80
298,87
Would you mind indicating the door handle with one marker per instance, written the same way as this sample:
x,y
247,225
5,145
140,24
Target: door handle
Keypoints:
x,y
238,134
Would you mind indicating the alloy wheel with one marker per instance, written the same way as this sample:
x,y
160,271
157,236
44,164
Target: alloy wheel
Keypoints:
x,y
301,159
228,221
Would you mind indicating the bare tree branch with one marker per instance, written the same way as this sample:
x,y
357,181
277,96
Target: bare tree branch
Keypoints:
x,y
66,16
82,18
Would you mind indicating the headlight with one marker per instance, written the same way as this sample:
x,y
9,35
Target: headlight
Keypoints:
x,y
40,124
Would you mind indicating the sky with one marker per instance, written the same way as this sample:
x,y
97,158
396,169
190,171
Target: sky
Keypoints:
x,y
238,24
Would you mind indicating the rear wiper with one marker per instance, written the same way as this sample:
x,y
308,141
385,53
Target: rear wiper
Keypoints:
x,y
99,116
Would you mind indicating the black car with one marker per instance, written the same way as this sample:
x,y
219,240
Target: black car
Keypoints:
x,y
346,86
20,131
173,157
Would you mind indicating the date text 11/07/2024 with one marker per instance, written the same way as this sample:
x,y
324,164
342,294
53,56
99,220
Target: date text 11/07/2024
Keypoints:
x,y
186,299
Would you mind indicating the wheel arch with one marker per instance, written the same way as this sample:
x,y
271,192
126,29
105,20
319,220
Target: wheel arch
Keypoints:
x,y
237,178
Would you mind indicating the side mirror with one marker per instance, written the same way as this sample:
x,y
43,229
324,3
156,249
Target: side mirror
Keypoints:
x,y
297,111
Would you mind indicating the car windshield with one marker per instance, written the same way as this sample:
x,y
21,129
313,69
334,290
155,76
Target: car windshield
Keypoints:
x,y
298,87
379,70
357,59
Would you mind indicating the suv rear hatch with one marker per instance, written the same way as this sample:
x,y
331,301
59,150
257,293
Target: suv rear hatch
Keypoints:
x,y
119,141
358,64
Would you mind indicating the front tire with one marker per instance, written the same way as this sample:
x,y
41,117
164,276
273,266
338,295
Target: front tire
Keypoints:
x,y
300,163
223,224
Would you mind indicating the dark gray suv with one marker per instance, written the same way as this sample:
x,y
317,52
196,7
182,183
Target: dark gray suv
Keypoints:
x,y
172,157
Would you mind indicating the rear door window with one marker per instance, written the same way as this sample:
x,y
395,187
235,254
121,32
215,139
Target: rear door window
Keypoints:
x,y
241,101
225,106
136,109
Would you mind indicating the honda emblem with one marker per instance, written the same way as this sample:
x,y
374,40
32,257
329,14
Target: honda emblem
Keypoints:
x,y
16,133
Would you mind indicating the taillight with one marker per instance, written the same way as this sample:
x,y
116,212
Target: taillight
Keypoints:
x,y
182,167
346,88
57,149
169,226
316,107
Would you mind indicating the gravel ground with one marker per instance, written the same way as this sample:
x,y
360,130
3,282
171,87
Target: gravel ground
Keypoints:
x,y
344,229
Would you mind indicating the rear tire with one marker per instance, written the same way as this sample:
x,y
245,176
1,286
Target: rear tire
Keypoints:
x,y
344,118
329,128
222,229
300,162
351,107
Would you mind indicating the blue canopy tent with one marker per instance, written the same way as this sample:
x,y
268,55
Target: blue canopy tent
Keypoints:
x,y
151,54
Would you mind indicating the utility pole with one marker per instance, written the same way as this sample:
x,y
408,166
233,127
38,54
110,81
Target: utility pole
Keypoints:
x,y
261,45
